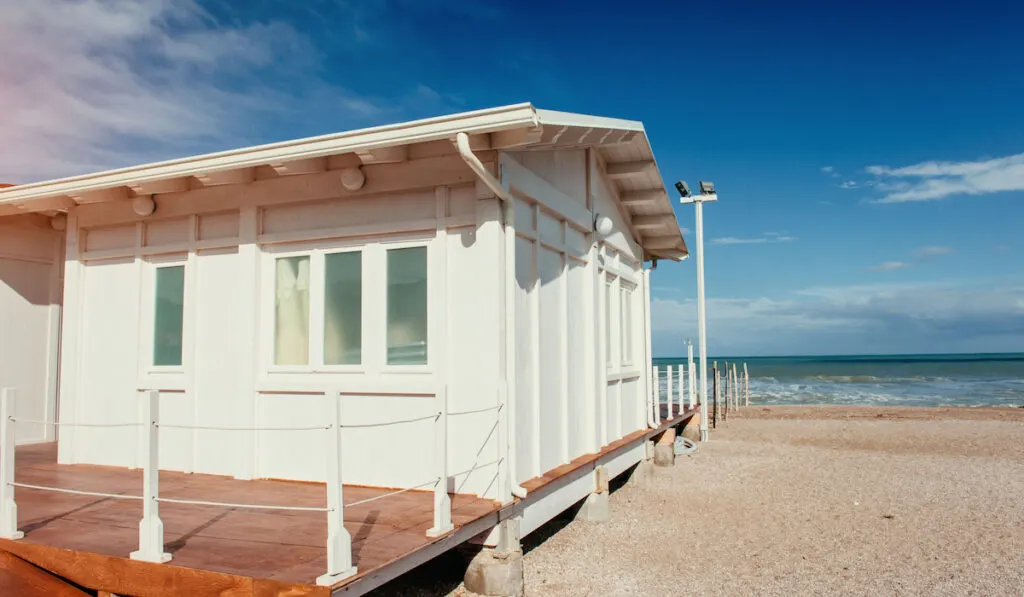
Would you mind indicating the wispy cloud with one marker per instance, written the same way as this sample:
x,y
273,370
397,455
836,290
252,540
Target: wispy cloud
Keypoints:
x,y
848,184
827,169
920,255
933,251
768,237
930,181
969,316
96,84
889,266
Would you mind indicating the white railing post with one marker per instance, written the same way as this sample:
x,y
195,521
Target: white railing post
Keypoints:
x,y
680,387
746,386
691,376
655,395
442,501
339,542
8,508
668,390
151,528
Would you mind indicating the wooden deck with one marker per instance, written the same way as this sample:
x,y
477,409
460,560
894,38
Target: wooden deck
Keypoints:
x,y
234,551
285,546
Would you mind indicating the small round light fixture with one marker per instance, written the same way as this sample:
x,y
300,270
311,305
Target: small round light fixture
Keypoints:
x,y
353,179
143,205
59,222
603,225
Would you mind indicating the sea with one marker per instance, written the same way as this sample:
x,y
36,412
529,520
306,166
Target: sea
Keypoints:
x,y
897,380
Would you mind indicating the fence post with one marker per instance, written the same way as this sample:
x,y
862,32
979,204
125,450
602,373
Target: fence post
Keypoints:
x,y
691,375
668,390
151,528
746,385
656,397
8,508
339,542
680,389
442,501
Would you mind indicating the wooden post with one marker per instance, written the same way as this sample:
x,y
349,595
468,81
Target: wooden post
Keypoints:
x,y
680,388
8,507
442,501
151,528
339,542
736,386
714,396
746,385
668,390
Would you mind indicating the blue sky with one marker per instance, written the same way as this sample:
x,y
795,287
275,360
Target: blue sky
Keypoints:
x,y
869,156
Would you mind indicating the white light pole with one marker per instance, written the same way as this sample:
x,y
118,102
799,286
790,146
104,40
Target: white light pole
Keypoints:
x,y
707,195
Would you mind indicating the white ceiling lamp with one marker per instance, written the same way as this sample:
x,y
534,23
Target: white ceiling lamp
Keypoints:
x,y
143,205
353,179
59,222
603,225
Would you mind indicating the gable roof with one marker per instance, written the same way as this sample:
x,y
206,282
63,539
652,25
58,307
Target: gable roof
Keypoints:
x,y
621,144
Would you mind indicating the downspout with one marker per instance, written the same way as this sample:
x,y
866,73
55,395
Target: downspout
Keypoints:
x,y
508,214
653,381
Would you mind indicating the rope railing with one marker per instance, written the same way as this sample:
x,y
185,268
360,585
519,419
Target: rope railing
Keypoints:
x,y
434,416
151,543
116,496
249,506
69,424
393,493
217,428
496,408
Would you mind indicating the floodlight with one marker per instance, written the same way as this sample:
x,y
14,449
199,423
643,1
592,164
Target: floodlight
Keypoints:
x,y
707,187
684,190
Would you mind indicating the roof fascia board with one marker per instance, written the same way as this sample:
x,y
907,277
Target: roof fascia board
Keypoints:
x,y
430,129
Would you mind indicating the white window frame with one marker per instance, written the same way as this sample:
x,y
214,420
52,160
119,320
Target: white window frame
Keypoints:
x,y
433,304
627,346
373,350
147,319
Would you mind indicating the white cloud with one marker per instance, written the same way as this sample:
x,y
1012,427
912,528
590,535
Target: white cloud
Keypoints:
x,y
889,266
848,184
97,84
930,181
954,316
769,237
933,251
827,169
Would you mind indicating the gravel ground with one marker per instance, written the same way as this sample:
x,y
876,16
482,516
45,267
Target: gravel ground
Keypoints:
x,y
801,501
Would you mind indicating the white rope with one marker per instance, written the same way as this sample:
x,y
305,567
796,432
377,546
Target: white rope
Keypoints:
x,y
477,466
230,505
38,422
479,410
119,496
380,497
215,428
433,416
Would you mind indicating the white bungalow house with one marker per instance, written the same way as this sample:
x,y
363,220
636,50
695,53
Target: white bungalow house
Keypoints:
x,y
495,255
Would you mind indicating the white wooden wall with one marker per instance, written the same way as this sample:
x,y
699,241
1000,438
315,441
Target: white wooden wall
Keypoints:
x,y
29,318
227,377
574,393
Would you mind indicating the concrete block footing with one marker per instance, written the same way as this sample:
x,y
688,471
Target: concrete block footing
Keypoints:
x,y
595,508
496,574
664,449
692,432
642,473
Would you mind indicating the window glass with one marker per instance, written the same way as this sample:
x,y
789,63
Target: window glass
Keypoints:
x,y
343,301
407,306
169,316
291,311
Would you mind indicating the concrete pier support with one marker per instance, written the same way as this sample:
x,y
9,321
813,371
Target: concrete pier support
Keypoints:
x,y
664,450
498,571
595,508
692,431
644,470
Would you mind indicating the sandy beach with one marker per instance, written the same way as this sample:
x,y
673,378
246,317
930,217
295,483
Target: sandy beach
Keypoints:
x,y
801,501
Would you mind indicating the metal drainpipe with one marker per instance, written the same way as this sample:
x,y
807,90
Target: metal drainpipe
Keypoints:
x,y
508,212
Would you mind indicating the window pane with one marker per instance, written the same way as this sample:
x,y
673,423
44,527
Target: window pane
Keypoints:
x,y
291,311
343,303
407,306
168,321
